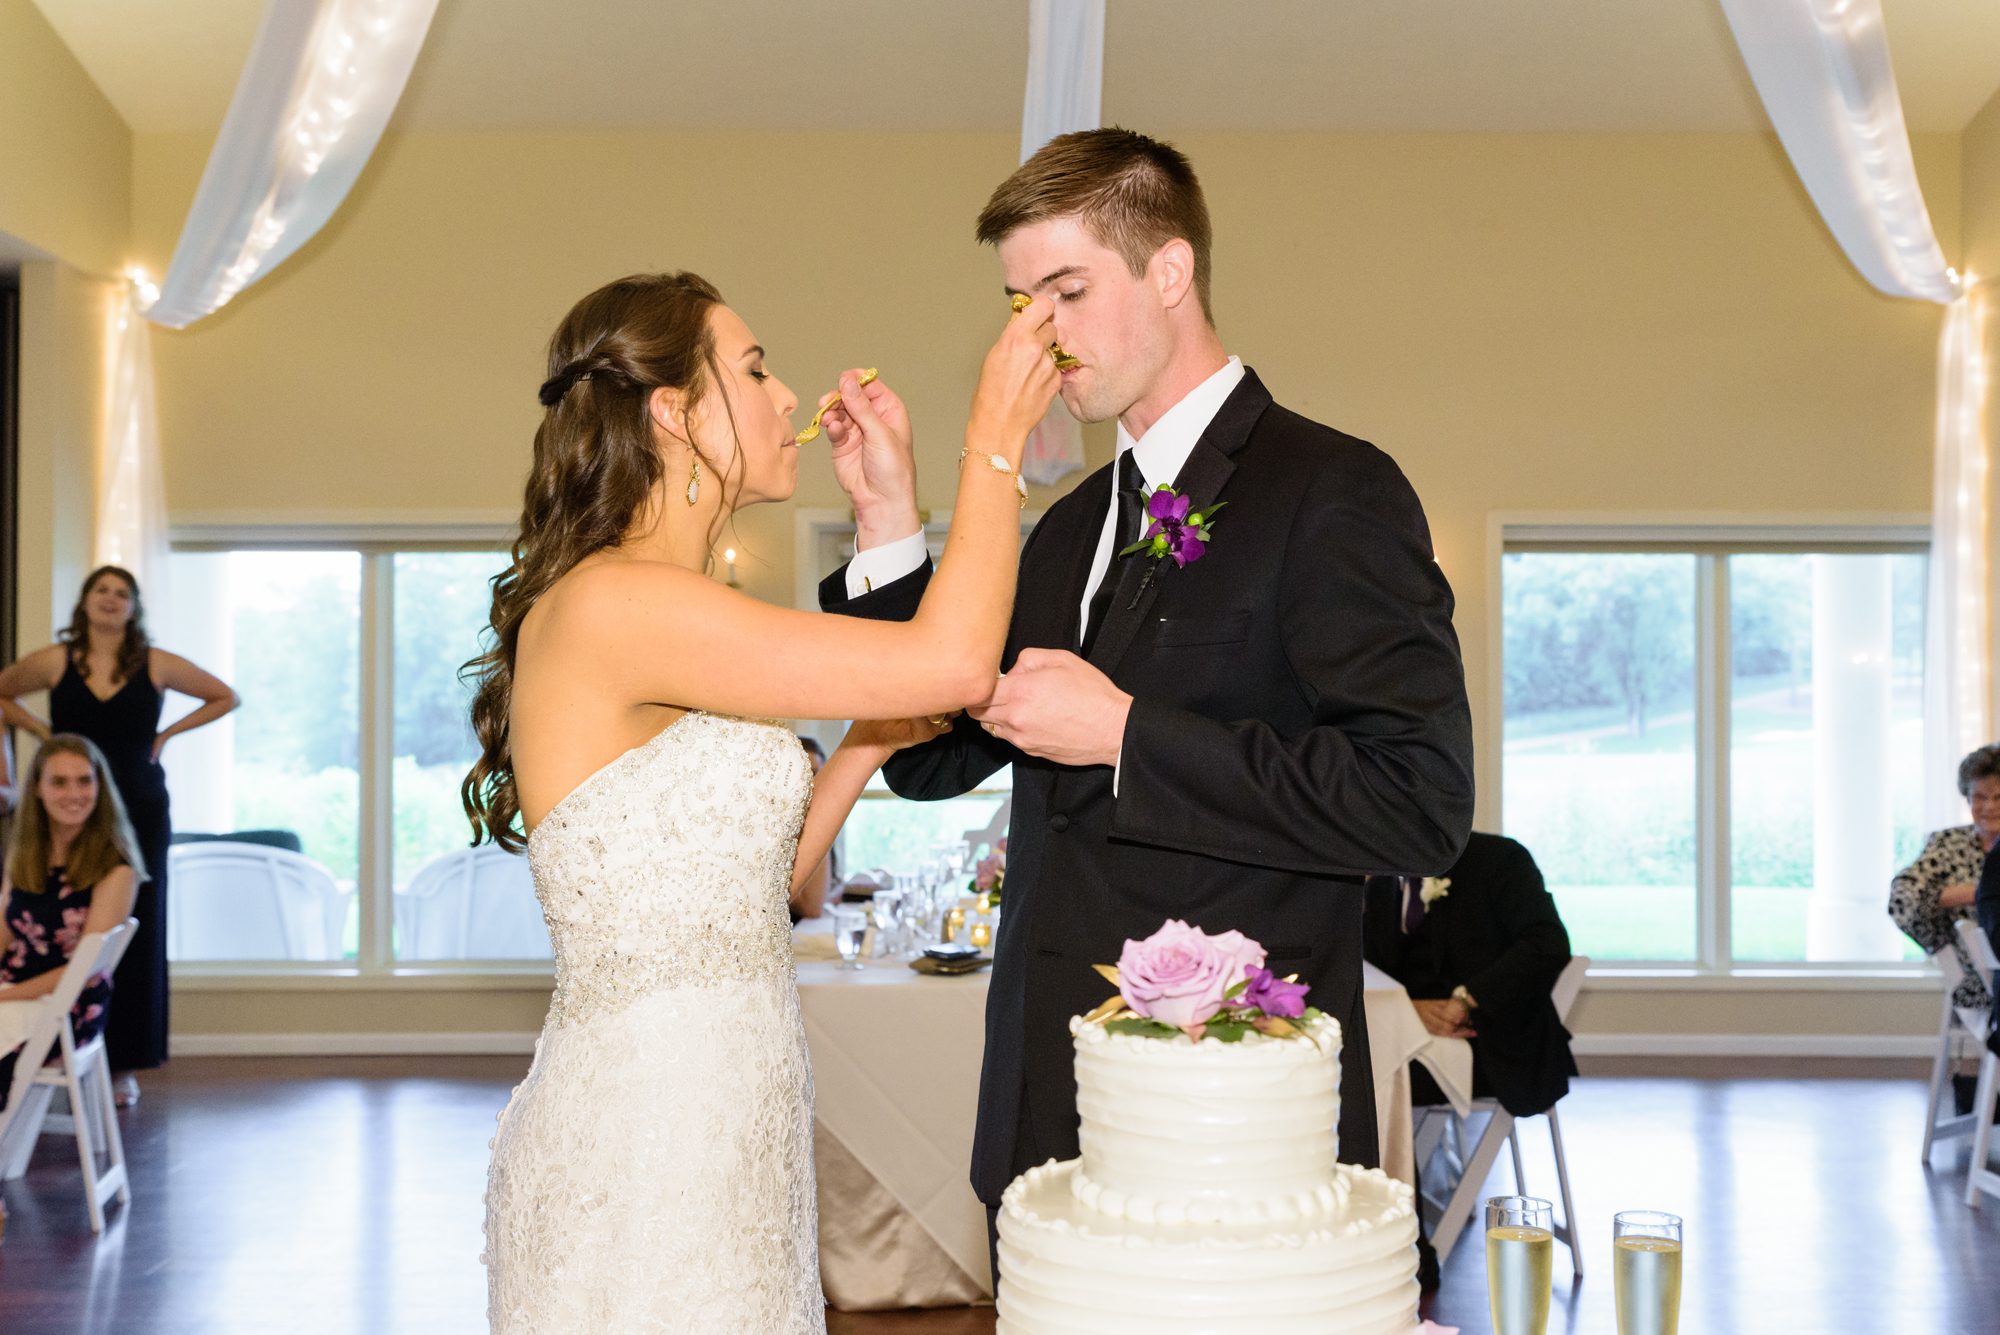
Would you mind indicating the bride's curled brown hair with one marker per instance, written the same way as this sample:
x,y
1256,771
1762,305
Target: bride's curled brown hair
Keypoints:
x,y
596,463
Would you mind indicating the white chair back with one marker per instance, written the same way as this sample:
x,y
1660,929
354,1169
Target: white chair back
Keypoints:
x,y
1977,948
1568,983
472,904
996,829
94,954
236,901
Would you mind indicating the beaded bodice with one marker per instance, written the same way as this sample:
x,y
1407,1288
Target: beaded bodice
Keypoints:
x,y
671,866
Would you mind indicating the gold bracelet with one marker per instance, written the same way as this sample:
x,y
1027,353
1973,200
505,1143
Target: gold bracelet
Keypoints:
x,y
998,463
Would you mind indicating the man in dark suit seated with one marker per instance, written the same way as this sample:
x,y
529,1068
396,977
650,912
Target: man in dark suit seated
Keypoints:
x,y
1479,961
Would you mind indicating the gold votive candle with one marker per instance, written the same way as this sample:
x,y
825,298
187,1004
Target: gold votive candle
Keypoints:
x,y
982,935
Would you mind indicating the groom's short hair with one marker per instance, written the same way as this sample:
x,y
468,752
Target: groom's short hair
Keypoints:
x,y
1132,193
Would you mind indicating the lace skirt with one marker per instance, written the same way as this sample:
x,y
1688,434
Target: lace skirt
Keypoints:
x,y
654,1173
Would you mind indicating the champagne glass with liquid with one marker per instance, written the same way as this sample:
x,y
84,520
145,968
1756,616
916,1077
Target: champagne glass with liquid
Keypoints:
x,y
1646,1271
1520,1256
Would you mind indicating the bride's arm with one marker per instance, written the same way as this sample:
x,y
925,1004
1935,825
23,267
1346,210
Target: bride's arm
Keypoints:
x,y
658,634
840,780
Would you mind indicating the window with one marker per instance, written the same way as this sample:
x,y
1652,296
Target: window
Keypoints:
x,y
347,753
1714,753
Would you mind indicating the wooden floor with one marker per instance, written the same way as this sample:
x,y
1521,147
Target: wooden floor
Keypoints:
x,y
341,1197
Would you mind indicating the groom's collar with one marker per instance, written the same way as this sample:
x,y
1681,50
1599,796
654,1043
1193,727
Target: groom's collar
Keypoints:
x,y
1165,447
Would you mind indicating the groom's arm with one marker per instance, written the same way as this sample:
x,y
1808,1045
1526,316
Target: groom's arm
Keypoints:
x,y
1383,779
952,763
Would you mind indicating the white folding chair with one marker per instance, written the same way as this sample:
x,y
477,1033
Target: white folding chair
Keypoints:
x,y
472,904
1956,1021
236,901
996,829
1446,1126
1979,1175
84,1072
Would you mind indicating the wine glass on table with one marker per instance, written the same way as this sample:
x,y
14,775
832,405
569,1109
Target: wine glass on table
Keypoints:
x,y
1646,1271
1520,1257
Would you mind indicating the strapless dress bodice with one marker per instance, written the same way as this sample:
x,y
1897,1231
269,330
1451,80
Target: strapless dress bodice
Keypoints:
x,y
672,865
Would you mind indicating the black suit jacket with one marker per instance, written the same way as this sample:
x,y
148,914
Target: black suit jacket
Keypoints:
x,y
1497,934
1299,720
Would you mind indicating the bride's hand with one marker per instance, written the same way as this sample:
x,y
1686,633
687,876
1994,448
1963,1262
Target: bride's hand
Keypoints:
x,y
868,428
1018,381
897,733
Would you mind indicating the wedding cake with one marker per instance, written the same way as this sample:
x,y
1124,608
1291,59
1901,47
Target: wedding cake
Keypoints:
x,y
1207,1197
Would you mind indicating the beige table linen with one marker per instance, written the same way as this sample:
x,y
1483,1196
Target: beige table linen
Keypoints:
x,y
895,1060
896,1069
1396,1037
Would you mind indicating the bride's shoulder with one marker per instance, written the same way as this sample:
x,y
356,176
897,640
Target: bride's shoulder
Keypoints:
x,y
611,584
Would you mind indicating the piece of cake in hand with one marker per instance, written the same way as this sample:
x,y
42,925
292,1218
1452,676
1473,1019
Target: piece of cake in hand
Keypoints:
x,y
1207,1198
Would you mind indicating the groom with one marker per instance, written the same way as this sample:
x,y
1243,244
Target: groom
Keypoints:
x,y
1237,741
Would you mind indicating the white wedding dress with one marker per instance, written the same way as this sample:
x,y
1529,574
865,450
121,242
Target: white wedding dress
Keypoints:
x,y
654,1171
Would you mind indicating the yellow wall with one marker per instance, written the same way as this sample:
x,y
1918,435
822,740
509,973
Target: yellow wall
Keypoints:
x,y
65,155
1634,323
1980,147
64,317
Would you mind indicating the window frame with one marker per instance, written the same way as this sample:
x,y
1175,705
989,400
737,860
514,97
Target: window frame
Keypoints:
x,y
1711,538
377,542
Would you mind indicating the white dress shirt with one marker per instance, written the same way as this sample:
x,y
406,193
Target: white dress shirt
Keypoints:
x,y
886,564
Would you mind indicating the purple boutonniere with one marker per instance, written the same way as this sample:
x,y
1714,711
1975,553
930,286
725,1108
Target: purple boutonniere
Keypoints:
x,y
1174,532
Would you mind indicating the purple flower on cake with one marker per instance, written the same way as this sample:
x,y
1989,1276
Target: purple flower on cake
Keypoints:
x,y
1180,975
1273,995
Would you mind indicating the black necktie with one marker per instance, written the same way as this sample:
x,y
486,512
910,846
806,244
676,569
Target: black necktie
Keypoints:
x,y
1131,507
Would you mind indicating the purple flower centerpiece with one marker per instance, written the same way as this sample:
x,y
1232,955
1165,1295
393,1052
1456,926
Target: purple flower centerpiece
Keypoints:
x,y
1181,980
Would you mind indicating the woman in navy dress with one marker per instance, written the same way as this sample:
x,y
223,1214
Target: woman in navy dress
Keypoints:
x,y
107,682
70,872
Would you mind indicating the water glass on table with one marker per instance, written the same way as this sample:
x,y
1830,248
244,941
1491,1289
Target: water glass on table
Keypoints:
x,y
850,925
1520,1257
1646,1271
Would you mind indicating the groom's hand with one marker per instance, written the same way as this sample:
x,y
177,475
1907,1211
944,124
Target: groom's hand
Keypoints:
x,y
1056,706
873,460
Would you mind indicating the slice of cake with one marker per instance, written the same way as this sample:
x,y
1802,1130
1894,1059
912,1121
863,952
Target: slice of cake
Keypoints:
x,y
1207,1197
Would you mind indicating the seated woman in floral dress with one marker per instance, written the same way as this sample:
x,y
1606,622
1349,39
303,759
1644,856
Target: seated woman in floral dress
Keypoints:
x,y
1928,897
71,870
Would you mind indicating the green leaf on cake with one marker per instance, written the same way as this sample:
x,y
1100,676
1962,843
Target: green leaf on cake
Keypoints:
x,y
1310,1013
1236,989
1227,1031
1143,1029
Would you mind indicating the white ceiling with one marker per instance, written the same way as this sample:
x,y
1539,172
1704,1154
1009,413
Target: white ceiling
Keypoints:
x,y
1170,65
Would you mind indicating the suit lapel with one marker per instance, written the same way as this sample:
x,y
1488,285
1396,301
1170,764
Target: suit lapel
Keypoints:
x,y
1201,480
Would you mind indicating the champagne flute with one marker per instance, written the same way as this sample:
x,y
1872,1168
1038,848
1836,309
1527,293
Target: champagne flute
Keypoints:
x,y
1646,1271
850,925
1520,1256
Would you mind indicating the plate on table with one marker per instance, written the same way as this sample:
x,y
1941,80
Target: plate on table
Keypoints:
x,y
950,959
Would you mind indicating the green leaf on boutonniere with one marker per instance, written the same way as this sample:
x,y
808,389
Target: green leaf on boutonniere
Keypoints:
x,y
1142,1029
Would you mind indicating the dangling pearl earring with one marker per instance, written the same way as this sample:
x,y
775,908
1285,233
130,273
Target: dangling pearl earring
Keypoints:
x,y
694,484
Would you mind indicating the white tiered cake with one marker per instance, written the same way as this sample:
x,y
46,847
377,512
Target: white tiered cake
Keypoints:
x,y
1207,1200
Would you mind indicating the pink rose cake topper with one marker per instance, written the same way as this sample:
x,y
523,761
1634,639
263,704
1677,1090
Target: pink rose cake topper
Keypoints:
x,y
1182,980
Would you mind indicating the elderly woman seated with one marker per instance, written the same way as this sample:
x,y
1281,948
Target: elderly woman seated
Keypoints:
x,y
1928,897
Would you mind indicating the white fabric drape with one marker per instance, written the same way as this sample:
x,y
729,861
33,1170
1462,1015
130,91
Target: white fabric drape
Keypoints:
x,y
1065,94
132,493
1823,71
1956,639
322,79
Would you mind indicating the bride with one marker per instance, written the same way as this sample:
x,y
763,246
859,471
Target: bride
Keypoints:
x,y
654,1172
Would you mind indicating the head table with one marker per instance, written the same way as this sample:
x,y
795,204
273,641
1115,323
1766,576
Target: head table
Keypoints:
x,y
895,1058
